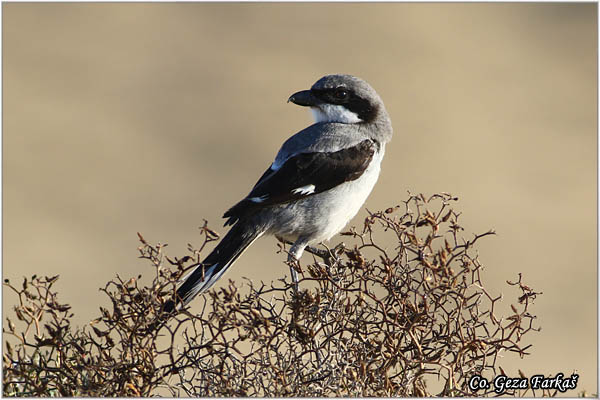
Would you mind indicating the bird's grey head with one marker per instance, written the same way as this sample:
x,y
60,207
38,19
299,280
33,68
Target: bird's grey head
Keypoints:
x,y
344,99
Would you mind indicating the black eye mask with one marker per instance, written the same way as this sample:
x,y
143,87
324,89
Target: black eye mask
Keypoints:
x,y
344,97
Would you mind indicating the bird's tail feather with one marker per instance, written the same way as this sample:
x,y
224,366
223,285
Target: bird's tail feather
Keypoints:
x,y
239,237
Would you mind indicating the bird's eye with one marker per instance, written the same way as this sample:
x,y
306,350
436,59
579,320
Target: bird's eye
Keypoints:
x,y
341,94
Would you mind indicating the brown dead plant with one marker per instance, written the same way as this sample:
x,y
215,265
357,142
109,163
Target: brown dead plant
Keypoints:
x,y
413,319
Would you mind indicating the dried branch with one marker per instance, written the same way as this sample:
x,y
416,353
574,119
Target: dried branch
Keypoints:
x,y
368,321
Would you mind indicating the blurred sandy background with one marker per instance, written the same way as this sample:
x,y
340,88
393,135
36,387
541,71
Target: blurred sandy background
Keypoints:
x,y
121,118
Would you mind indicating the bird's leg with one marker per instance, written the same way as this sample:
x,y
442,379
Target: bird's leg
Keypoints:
x,y
327,255
323,254
292,263
330,255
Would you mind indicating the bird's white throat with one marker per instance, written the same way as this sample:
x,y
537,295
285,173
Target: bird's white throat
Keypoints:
x,y
334,113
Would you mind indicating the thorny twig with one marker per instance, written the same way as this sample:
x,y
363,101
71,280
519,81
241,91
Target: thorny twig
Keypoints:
x,y
368,321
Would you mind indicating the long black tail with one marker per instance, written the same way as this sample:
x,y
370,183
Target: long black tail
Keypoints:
x,y
239,237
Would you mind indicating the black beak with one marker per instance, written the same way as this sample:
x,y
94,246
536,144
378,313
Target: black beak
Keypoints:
x,y
303,98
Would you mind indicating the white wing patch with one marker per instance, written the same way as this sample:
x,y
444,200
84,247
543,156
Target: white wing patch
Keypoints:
x,y
304,190
259,199
334,113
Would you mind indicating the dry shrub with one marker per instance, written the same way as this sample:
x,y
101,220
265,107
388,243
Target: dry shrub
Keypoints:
x,y
367,321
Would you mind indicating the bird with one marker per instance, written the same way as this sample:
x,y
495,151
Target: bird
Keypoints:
x,y
317,183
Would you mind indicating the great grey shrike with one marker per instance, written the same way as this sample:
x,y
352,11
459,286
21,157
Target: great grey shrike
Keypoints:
x,y
317,183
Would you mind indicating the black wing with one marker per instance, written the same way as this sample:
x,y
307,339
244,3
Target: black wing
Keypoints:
x,y
304,175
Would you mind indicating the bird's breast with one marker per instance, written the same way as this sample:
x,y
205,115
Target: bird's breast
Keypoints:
x,y
321,216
